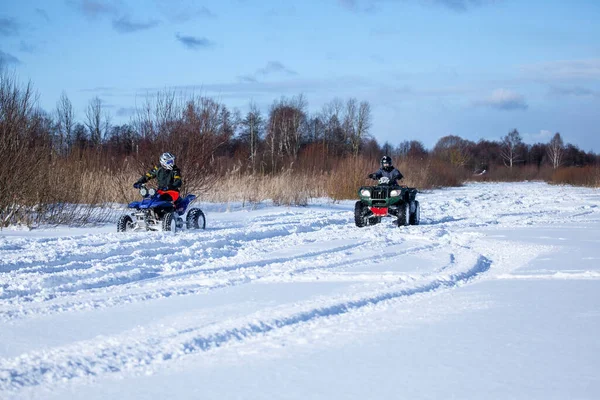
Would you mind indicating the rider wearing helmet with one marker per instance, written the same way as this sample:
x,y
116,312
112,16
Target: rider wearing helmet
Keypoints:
x,y
387,170
168,177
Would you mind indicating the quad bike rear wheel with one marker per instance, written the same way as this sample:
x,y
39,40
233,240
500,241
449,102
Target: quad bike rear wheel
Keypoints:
x,y
415,215
125,224
404,214
195,219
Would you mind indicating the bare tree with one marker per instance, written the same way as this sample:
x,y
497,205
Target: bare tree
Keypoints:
x,y
298,125
96,123
413,149
25,134
17,104
201,130
315,129
486,153
511,144
80,137
454,149
286,128
122,140
363,125
272,138
333,141
555,150
387,148
349,122
252,130
66,121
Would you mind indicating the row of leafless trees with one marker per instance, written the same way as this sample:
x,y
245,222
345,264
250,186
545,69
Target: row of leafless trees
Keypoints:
x,y
202,132
51,161
510,151
257,143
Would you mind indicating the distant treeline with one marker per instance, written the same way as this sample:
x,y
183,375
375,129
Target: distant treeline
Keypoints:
x,y
51,160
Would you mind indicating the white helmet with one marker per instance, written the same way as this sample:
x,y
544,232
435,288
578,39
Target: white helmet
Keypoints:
x,y
167,160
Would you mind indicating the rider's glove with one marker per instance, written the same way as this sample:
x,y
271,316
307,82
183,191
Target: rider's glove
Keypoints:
x,y
371,176
137,185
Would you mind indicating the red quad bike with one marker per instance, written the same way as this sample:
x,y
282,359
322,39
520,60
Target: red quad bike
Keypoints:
x,y
385,200
161,211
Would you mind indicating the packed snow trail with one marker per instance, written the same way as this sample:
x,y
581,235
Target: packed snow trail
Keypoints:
x,y
311,265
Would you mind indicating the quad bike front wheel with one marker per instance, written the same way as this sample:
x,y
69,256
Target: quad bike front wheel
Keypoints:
x,y
169,222
125,224
195,219
359,214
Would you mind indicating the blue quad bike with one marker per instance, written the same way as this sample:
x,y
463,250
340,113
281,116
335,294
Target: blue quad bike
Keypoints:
x,y
155,213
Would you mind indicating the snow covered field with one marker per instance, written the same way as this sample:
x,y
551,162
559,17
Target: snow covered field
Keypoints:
x,y
495,296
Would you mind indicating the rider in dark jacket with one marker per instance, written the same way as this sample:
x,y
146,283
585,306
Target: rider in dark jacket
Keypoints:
x,y
387,170
168,177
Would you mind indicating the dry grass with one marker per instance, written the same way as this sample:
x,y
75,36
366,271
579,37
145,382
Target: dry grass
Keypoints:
x,y
350,174
346,177
297,187
517,174
579,176
77,191
439,174
288,188
67,192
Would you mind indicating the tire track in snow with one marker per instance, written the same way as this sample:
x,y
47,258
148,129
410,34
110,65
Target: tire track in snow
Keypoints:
x,y
54,253
273,270
221,260
558,275
72,272
136,270
115,354
451,226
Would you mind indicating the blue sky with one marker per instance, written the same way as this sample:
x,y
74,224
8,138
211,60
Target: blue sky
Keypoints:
x,y
429,68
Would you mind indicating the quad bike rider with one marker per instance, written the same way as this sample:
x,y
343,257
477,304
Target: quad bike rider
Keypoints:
x,y
162,209
387,170
168,177
387,198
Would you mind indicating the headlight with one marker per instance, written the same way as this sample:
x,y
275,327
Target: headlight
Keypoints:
x,y
143,191
365,193
395,193
151,192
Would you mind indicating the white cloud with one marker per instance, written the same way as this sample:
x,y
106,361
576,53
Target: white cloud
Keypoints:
x,y
93,9
126,25
195,43
272,68
9,27
543,136
6,58
503,99
454,5
575,91
564,70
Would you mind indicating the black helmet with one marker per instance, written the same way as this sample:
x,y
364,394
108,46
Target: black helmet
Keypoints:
x,y
386,163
